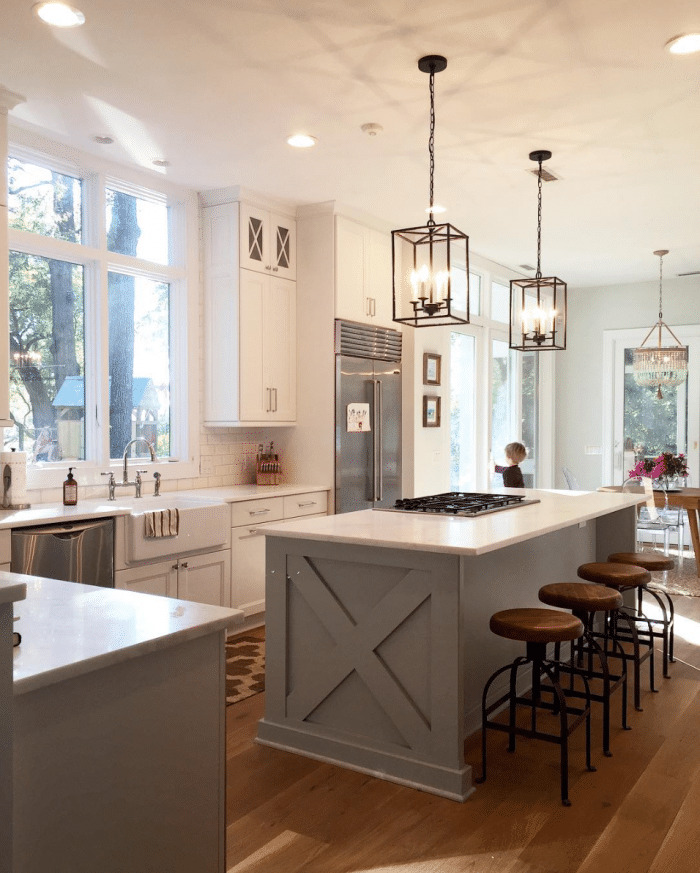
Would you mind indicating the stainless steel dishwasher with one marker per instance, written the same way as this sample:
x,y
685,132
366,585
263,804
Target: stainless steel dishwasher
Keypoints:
x,y
79,551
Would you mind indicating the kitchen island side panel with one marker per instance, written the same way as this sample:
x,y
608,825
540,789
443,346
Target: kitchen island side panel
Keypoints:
x,y
364,661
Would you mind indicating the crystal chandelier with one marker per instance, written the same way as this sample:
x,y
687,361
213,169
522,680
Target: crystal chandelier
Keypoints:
x,y
430,262
538,306
660,366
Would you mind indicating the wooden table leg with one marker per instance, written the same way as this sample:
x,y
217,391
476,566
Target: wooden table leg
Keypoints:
x,y
694,534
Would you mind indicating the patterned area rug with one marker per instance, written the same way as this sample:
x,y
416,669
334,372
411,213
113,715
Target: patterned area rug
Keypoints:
x,y
245,668
683,579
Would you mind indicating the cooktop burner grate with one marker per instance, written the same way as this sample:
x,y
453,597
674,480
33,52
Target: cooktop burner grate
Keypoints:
x,y
462,503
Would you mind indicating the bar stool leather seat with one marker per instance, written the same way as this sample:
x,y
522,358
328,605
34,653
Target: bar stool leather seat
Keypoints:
x,y
651,561
532,625
620,576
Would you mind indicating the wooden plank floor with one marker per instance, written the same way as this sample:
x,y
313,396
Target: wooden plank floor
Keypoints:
x,y
639,813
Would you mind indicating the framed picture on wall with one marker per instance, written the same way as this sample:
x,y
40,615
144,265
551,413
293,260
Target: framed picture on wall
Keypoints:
x,y
431,411
431,369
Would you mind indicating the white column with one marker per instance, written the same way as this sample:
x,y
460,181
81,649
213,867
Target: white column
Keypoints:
x,y
8,101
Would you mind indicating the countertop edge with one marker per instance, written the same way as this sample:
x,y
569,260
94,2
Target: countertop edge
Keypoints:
x,y
118,656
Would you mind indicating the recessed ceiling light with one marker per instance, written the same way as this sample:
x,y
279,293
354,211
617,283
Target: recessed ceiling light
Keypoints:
x,y
59,14
371,128
301,141
159,162
685,44
103,140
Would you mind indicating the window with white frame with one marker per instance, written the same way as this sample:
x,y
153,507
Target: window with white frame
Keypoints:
x,y
97,276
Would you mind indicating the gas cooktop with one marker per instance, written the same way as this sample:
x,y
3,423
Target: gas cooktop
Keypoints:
x,y
461,503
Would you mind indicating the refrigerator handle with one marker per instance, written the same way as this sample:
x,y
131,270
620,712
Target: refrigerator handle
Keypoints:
x,y
375,387
379,447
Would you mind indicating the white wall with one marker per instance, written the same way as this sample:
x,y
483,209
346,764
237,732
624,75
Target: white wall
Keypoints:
x,y
580,376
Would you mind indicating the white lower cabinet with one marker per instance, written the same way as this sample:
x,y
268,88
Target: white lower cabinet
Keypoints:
x,y
248,544
248,569
205,578
201,578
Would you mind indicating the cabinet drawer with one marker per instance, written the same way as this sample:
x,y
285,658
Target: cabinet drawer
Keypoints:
x,y
306,504
5,546
256,511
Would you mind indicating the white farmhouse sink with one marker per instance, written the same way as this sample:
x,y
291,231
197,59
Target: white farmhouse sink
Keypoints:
x,y
203,525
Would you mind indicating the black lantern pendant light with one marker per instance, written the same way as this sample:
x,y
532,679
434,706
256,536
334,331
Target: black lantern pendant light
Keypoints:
x,y
431,262
538,306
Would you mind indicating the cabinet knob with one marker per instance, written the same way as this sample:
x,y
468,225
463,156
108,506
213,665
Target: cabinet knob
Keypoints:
x,y
268,267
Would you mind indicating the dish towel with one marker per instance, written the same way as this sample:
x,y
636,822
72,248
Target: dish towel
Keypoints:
x,y
162,523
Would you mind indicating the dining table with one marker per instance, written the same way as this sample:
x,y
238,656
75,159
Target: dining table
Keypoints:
x,y
686,498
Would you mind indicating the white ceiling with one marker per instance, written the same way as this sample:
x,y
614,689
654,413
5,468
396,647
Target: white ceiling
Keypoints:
x,y
215,87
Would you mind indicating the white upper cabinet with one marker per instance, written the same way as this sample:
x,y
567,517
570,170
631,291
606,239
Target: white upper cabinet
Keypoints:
x,y
267,348
268,242
362,273
250,320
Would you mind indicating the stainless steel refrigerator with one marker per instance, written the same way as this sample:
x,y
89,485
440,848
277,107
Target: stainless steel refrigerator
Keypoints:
x,y
367,416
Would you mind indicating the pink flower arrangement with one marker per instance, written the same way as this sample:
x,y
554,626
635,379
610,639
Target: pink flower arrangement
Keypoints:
x,y
666,464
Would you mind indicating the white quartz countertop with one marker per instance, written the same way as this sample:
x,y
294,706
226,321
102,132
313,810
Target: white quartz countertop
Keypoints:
x,y
48,513
449,534
70,629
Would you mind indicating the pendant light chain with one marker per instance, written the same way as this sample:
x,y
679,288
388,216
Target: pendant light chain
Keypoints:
x,y
538,274
661,278
431,141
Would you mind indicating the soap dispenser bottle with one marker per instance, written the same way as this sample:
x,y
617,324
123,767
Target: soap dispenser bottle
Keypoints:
x,y
70,490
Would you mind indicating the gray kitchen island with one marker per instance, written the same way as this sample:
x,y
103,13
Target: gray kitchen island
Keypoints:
x,y
377,625
118,703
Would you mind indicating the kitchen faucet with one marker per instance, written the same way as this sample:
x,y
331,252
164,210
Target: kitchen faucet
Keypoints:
x,y
125,474
125,477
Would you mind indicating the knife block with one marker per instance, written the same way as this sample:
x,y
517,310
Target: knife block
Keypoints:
x,y
268,469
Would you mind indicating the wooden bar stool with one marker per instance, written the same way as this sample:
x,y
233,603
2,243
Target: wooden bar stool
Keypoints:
x,y
585,601
626,577
536,628
654,563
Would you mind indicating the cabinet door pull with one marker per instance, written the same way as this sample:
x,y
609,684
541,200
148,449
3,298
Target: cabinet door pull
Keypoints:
x,y
268,267
184,564
307,503
258,511
374,305
275,408
274,269
269,400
